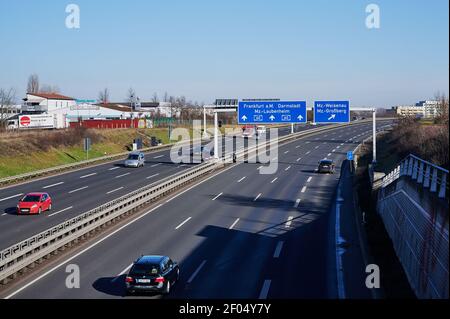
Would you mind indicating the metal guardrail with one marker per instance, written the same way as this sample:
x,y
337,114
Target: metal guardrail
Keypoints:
x,y
427,175
23,254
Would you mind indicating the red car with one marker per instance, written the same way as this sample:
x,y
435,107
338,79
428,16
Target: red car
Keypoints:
x,y
34,203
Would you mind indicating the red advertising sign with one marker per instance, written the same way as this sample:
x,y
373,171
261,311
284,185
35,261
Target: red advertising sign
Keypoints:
x,y
25,121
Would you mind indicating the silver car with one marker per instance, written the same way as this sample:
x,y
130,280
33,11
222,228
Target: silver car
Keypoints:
x,y
135,159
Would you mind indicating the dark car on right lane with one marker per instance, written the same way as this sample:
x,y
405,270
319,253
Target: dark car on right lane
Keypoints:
x,y
326,166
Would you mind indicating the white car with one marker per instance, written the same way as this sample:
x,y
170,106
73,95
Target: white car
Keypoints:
x,y
261,130
135,159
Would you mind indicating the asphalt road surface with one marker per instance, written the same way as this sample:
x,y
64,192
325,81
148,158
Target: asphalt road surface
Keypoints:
x,y
77,192
238,234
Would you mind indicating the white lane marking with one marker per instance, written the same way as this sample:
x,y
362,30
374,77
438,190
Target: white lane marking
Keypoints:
x,y
274,159
317,147
333,151
156,165
17,195
154,175
298,146
289,221
158,156
259,195
196,272
200,183
329,154
60,211
53,185
78,189
119,176
304,189
259,168
288,168
4,214
179,226
217,196
299,159
338,147
308,142
80,253
324,143
274,180
309,179
309,152
114,190
297,202
277,252
242,179
113,169
86,176
235,223
286,152
342,144
122,272
265,289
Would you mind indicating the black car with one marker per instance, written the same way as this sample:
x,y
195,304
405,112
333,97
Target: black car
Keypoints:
x,y
152,274
326,166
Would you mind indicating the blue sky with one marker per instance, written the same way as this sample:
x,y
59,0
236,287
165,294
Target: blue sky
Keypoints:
x,y
293,50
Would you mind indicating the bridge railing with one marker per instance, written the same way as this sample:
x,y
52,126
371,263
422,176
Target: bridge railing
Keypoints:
x,y
427,175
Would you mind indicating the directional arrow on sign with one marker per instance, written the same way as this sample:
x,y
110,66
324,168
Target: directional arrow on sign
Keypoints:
x,y
332,117
244,118
300,117
272,118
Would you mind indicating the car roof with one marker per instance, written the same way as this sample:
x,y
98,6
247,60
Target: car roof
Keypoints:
x,y
150,259
326,160
35,194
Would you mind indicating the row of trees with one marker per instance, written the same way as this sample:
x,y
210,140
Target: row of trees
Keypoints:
x,y
33,86
176,101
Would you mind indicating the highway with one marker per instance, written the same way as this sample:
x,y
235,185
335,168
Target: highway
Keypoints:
x,y
79,191
237,234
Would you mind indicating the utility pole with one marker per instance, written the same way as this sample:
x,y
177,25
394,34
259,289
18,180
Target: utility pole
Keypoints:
x,y
216,135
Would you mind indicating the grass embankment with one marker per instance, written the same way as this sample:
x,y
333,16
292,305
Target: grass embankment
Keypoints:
x,y
24,152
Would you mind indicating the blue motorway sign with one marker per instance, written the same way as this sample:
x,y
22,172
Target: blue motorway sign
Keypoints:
x,y
273,112
350,156
332,111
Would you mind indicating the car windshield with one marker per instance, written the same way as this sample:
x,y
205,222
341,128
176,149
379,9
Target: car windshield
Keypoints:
x,y
144,269
31,198
133,157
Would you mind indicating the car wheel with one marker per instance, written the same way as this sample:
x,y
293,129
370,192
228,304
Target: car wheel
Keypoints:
x,y
167,290
39,211
50,207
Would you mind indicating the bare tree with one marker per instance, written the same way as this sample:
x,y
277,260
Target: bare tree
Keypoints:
x,y
7,98
103,96
46,88
442,108
166,97
155,98
33,83
131,95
